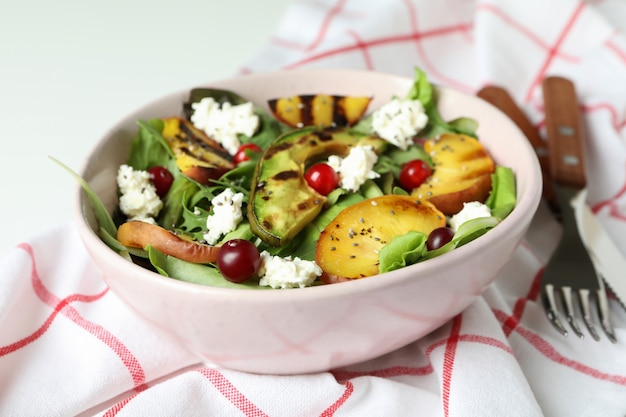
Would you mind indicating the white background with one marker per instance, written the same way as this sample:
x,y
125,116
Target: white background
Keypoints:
x,y
71,68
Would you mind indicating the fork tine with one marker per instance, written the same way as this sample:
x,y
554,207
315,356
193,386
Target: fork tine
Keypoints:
x,y
583,298
603,311
566,294
602,302
549,304
565,136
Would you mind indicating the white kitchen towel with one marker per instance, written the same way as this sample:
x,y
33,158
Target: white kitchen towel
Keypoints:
x,y
68,346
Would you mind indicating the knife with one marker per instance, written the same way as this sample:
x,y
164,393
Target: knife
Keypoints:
x,y
607,257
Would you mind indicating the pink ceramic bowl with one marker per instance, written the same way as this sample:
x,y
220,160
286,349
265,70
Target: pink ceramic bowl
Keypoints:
x,y
324,327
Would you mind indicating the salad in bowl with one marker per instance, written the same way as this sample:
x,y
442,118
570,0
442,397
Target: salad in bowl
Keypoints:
x,y
313,189
392,201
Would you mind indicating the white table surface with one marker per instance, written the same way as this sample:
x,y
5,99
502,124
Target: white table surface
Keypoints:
x,y
69,69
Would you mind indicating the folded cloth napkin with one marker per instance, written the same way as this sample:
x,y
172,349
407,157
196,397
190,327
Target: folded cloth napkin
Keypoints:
x,y
68,346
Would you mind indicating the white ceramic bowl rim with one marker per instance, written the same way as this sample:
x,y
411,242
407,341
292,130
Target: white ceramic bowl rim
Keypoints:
x,y
527,202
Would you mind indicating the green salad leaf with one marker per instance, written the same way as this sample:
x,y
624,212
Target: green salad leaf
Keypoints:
x,y
105,222
188,203
403,250
502,198
149,148
393,160
410,249
423,91
172,267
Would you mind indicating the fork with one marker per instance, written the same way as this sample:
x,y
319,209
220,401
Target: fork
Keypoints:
x,y
570,269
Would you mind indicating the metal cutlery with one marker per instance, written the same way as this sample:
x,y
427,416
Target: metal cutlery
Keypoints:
x,y
570,278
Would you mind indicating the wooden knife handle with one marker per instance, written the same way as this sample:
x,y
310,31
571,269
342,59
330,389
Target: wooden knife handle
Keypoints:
x,y
501,99
565,132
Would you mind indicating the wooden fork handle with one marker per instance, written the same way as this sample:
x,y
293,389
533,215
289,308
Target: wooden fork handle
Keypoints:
x,y
565,132
500,98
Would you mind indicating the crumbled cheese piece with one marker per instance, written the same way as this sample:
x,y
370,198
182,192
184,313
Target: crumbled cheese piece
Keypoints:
x,y
471,210
226,215
278,272
139,199
398,121
226,123
355,168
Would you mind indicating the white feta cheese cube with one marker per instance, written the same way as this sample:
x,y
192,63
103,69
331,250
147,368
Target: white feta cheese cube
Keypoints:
x,y
139,199
225,123
226,215
355,168
398,121
278,272
471,210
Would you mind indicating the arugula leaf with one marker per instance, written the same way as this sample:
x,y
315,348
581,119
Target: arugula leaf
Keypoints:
x,y
105,221
240,177
174,201
193,221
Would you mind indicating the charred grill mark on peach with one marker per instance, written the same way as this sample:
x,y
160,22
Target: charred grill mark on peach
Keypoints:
x,y
286,175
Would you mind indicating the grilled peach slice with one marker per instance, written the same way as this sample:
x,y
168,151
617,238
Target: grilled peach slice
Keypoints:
x,y
462,172
319,110
198,156
348,247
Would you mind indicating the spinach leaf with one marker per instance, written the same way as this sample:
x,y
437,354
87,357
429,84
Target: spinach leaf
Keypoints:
x,y
149,148
172,267
393,160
